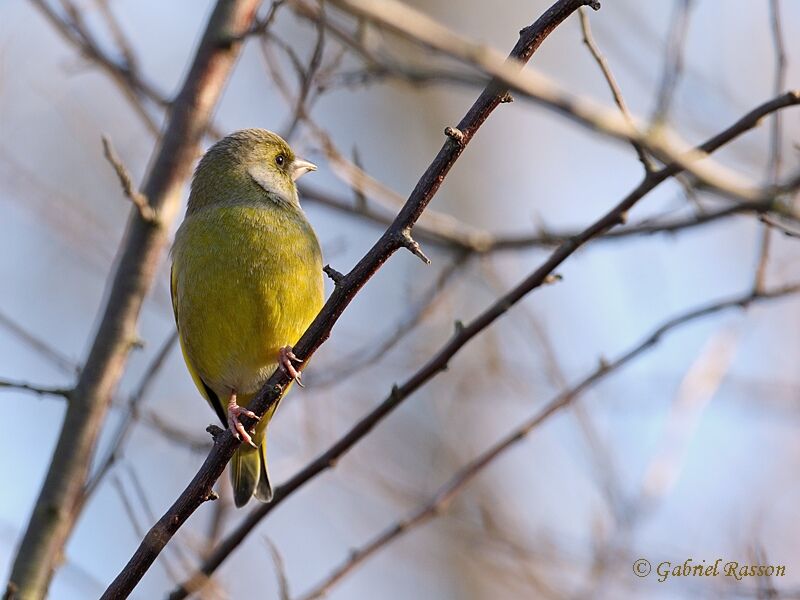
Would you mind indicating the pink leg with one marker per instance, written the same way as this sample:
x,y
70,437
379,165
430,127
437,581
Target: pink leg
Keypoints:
x,y
287,358
234,412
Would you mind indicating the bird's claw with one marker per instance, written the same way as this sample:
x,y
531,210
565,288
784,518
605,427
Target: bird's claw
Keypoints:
x,y
235,425
287,358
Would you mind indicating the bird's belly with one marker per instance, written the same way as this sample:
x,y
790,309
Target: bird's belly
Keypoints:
x,y
233,333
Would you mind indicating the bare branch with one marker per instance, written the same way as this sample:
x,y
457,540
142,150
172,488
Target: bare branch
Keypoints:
x,y
464,333
439,501
673,63
452,236
39,390
774,164
374,351
391,241
126,425
41,346
663,144
616,92
146,211
784,229
74,30
58,505
280,570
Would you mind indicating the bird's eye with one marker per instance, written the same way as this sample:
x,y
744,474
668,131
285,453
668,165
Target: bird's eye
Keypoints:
x,y
280,159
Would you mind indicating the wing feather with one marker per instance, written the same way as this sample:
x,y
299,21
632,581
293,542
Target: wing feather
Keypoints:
x,y
206,391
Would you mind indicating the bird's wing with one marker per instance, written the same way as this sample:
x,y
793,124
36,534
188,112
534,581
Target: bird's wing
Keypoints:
x,y
206,391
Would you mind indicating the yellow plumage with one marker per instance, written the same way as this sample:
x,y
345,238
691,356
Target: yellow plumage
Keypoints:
x,y
246,280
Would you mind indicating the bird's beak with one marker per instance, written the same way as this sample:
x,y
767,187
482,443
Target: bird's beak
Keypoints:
x,y
300,167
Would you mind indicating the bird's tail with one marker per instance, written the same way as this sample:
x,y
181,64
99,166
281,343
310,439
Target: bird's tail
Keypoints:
x,y
249,476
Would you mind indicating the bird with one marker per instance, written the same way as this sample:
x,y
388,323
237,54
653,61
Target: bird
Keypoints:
x,y
246,281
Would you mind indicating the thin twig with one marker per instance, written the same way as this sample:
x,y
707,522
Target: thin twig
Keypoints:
x,y
673,61
784,229
374,351
616,92
125,427
280,570
774,163
74,30
41,346
439,501
40,390
138,528
139,200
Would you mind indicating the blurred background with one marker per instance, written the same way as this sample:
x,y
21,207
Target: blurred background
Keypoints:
x,y
688,451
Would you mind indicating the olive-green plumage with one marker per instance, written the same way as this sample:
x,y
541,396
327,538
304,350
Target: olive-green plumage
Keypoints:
x,y
246,280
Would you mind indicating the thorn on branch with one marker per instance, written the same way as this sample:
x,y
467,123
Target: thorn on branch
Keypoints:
x,y
454,134
506,98
146,212
215,431
459,327
334,275
212,495
411,244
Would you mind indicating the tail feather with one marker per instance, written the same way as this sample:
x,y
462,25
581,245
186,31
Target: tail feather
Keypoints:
x,y
264,488
245,470
249,474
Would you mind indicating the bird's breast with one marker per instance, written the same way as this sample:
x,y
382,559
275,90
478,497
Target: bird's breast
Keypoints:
x,y
248,281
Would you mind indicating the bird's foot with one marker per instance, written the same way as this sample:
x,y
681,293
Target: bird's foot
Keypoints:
x,y
287,359
234,413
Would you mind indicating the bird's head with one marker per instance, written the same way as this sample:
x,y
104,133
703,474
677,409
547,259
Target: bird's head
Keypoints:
x,y
250,165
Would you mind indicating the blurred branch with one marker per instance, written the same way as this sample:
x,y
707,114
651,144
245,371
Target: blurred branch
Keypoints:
x,y
774,163
440,360
58,505
663,143
784,229
42,347
397,236
138,528
465,239
673,61
445,231
280,570
698,387
146,211
374,351
34,389
74,30
440,500
125,427
190,440
616,92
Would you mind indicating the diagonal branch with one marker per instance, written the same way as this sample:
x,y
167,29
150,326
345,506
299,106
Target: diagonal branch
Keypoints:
x,y
58,505
397,236
465,333
439,500
663,144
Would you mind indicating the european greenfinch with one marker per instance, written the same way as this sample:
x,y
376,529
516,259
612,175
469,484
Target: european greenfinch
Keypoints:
x,y
246,282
